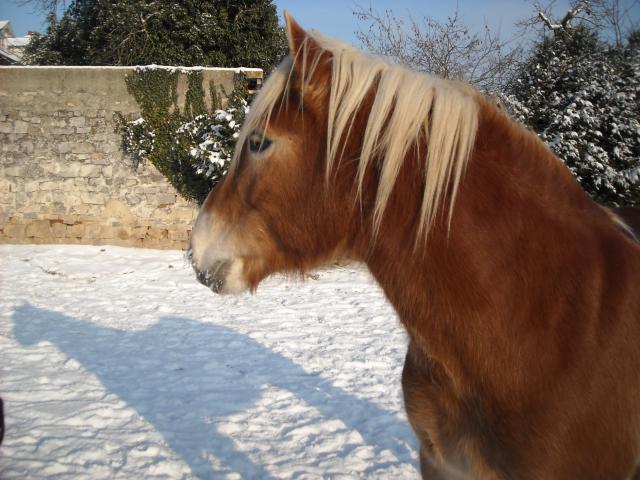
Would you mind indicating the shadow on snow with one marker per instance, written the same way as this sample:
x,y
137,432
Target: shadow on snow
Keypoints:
x,y
184,377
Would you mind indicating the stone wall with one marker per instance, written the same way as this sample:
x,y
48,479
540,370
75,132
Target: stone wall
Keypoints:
x,y
63,177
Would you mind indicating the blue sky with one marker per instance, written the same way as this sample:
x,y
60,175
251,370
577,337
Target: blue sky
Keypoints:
x,y
335,18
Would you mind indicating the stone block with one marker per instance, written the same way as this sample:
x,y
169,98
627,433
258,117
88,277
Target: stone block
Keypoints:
x,y
99,182
76,230
110,147
42,197
84,209
59,230
48,185
100,159
83,147
92,198
133,199
14,218
58,208
13,171
67,198
177,245
117,210
157,233
26,147
92,231
70,170
123,233
77,122
14,231
89,171
166,199
20,127
68,185
64,147
38,229
7,146
63,131
31,186
11,186
31,209
181,235
139,232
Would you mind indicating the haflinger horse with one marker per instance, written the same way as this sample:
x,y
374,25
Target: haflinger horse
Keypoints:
x,y
519,294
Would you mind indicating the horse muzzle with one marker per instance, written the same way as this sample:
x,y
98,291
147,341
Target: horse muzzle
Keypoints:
x,y
213,254
214,276
221,276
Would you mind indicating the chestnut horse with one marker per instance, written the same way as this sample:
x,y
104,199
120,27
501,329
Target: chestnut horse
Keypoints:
x,y
519,294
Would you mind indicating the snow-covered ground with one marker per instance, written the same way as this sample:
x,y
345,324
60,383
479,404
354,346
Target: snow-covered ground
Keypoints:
x,y
115,363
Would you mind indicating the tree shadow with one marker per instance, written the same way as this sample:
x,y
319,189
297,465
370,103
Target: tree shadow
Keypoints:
x,y
179,372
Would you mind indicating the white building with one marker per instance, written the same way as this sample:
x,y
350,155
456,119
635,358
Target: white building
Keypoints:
x,y
11,47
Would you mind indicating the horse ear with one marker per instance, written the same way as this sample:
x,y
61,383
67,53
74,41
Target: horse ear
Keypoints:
x,y
295,33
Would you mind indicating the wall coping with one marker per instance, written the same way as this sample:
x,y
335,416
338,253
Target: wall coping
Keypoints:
x,y
128,67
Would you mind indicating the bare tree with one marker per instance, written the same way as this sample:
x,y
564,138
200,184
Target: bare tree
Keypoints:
x,y
50,7
617,18
448,49
614,19
566,21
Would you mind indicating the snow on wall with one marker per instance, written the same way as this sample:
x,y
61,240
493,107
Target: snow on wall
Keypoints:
x,y
63,177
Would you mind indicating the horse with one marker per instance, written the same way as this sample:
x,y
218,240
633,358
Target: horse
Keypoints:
x,y
518,293
630,217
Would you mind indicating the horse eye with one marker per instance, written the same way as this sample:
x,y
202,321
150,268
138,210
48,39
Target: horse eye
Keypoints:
x,y
258,143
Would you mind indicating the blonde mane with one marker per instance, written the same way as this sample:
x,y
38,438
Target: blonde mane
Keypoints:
x,y
408,108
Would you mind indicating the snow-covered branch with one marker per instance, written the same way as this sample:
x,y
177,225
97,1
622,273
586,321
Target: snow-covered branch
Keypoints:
x,y
565,23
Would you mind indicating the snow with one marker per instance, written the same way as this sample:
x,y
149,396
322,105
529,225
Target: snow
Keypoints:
x,y
582,99
18,41
137,67
117,364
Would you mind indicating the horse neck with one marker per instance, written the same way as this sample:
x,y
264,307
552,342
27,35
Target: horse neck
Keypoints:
x,y
461,293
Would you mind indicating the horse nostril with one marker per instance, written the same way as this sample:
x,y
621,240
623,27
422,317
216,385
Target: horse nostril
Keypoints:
x,y
213,277
202,276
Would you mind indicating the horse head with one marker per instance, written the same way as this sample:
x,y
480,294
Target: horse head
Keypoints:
x,y
317,161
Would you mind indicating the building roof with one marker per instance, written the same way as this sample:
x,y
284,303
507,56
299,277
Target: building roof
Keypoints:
x,y
18,41
7,58
5,26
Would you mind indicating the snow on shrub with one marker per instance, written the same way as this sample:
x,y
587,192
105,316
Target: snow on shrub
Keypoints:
x,y
210,140
191,146
583,99
207,140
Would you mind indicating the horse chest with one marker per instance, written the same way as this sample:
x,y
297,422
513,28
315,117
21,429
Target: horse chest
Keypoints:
x,y
458,434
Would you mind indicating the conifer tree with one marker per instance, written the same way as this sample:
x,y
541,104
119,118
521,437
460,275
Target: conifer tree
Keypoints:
x,y
220,33
583,98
